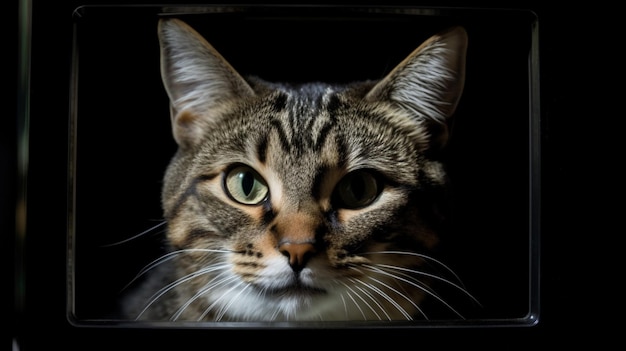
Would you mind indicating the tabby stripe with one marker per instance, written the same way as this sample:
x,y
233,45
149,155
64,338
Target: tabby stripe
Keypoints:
x,y
315,105
282,136
248,264
293,123
277,106
190,191
322,137
280,103
342,152
198,233
299,137
333,105
261,149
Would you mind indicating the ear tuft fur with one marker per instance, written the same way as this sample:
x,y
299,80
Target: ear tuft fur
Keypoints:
x,y
429,82
196,77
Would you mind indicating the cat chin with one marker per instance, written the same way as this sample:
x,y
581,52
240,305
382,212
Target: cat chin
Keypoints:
x,y
293,307
308,308
273,306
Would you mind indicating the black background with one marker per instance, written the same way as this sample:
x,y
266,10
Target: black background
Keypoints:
x,y
571,225
124,139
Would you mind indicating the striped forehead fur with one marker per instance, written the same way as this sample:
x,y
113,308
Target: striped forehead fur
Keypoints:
x,y
306,114
312,107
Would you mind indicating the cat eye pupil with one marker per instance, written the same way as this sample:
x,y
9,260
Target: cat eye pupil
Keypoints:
x,y
247,182
245,186
357,189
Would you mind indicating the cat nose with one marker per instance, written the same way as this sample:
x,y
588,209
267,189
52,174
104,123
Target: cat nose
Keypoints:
x,y
297,253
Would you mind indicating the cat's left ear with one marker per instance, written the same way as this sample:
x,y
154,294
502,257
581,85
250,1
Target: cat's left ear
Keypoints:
x,y
428,83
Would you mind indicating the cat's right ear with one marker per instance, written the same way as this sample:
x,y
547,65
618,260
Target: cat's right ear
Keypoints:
x,y
198,80
428,84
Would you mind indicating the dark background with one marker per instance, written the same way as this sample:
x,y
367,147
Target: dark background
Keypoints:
x,y
573,228
124,140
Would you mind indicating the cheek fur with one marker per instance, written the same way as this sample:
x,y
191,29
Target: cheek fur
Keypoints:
x,y
207,211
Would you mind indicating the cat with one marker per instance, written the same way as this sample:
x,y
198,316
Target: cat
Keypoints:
x,y
302,202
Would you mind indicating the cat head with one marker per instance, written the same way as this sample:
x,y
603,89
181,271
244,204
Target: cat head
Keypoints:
x,y
297,190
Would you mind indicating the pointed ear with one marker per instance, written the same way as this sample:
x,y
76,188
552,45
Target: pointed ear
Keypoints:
x,y
197,80
428,83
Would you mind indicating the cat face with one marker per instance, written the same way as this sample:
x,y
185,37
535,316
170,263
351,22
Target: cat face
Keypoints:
x,y
307,202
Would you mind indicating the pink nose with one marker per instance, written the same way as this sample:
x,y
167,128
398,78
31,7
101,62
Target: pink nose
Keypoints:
x,y
297,253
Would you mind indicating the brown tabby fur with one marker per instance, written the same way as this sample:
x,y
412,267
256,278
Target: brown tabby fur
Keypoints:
x,y
348,212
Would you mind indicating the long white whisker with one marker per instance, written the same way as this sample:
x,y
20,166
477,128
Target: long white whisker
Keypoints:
x,y
407,276
274,315
135,236
170,255
222,282
367,303
224,309
165,258
376,302
220,314
208,286
345,306
425,257
447,281
357,304
419,286
392,301
157,295
386,297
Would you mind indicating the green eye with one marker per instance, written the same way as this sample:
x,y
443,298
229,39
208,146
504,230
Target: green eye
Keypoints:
x,y
357,189
245,185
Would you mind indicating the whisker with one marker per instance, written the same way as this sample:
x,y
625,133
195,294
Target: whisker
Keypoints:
x,y
362,299
162,223
274,315
425,257
208,286
392,301
168,256
459,285
222,282
447,281
423,285
371,297
345,306
157,295
226,307
419,285
368,294
164,258
355,303
321,318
